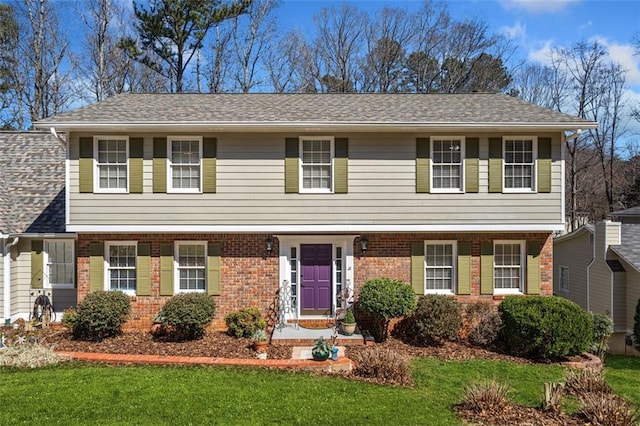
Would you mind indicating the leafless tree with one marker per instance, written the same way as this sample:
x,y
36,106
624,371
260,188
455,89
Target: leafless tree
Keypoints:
x,y
9,39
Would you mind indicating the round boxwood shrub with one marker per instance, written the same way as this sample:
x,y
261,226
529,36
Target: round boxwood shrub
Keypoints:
x,y
384,299
186,315
437,318
545,327
245,322
101,314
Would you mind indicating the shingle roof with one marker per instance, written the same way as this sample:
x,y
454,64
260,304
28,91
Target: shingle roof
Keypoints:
x,y
633,211
630,247
31,183
372,109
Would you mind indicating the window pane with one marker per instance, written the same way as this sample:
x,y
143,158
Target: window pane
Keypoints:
x,y
121,260
112,164
316,164
191,267
185,164
507,262
447,164
439,266
519,164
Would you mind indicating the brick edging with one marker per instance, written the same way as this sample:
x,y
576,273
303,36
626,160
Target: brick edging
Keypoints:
x,y
593,362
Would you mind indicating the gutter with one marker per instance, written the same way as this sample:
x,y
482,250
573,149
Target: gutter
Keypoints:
x,y
7,278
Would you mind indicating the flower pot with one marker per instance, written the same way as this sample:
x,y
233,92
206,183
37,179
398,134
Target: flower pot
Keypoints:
x,y
260,346
348,329
322,356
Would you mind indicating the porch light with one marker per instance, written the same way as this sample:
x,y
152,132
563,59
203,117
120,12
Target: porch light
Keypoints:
x,y
364,242
269,244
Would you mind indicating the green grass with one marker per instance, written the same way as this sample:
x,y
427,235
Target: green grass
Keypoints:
x,y
103,395
623,374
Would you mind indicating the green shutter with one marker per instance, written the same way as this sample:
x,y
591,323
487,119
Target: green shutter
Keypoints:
x,y
136,162
213,269
291,165
495,164
209,165
160,164
417,267
143,270
486,267
544,164
472,165
166,269
423,154
37,263
464,268
96,267
85,165
341,166
533,267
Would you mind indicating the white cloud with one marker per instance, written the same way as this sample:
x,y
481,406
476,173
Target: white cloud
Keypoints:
x,y
516,31
543,53
624,55
536,6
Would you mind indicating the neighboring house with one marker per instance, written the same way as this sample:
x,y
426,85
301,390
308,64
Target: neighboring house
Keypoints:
x,y
37,254
283,200
598,267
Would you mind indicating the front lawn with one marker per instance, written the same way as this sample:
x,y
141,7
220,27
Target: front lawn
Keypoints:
x,y
97,394
623,374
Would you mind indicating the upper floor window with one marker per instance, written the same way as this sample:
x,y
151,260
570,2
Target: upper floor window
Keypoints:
x,y
508,270
317,155
185,154
440,266
191,266
564,278
519,163
120,268
447,154
59,264
111,153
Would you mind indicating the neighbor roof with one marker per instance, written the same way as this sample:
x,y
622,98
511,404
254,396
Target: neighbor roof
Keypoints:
x,y
629,250
475,110
31,183
633,211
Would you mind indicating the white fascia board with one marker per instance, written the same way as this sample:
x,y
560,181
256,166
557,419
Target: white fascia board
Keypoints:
x,y
313,229
52,235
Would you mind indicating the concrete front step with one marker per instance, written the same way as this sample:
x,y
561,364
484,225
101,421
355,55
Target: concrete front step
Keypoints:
x,y
300,336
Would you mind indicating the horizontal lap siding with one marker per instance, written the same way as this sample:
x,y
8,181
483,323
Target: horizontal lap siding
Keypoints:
x,y
250,190
576,254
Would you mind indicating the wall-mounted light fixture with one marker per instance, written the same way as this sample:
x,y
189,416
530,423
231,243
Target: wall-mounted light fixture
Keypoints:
x,y
364,244
269,244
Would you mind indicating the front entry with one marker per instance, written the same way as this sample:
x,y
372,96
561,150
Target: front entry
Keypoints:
x,y
315,279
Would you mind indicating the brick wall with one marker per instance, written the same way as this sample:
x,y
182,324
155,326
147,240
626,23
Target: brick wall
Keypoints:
x,y
249,276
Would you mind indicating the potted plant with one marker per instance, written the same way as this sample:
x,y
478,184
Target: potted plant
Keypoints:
x,y
349,323
260,341
321,350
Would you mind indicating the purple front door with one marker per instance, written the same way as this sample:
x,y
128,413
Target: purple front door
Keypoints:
x,y
315,279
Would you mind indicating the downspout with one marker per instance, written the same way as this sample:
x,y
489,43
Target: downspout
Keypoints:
x,y
7,280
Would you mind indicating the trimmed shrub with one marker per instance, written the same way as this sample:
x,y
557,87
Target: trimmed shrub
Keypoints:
x,y
436,318
100,315
382,364
604,409
245,322
384,299
483,324
486,397
69,317
186,315
602,330
545,327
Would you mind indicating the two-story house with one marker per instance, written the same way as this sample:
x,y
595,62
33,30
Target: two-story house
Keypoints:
x,y
248,196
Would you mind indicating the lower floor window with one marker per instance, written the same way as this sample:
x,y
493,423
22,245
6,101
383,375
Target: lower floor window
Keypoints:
x,y
508,262
191,264
60,263
439,265
121,267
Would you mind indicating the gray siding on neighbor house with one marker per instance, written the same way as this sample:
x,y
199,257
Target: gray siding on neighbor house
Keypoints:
x,y
632,294
381,189
619,302
576,254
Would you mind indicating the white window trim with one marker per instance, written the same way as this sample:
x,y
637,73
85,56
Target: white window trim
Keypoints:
x,y
301,187
45,253
107,276
560,286
176,275
96,168
170,188
454,267
463,144
534,172
523,267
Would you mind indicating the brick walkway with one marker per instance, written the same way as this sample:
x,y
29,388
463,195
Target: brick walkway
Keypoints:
x,y
342,364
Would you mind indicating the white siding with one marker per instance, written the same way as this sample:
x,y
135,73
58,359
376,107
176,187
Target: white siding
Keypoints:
x,y
2,242
21,278
250,190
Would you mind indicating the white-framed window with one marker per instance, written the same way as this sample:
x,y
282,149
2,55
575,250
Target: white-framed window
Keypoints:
x,y
111,154
520,153
59,260
120,266
447,154
509,266
185,165
191,266
440,266
316,163
564,278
